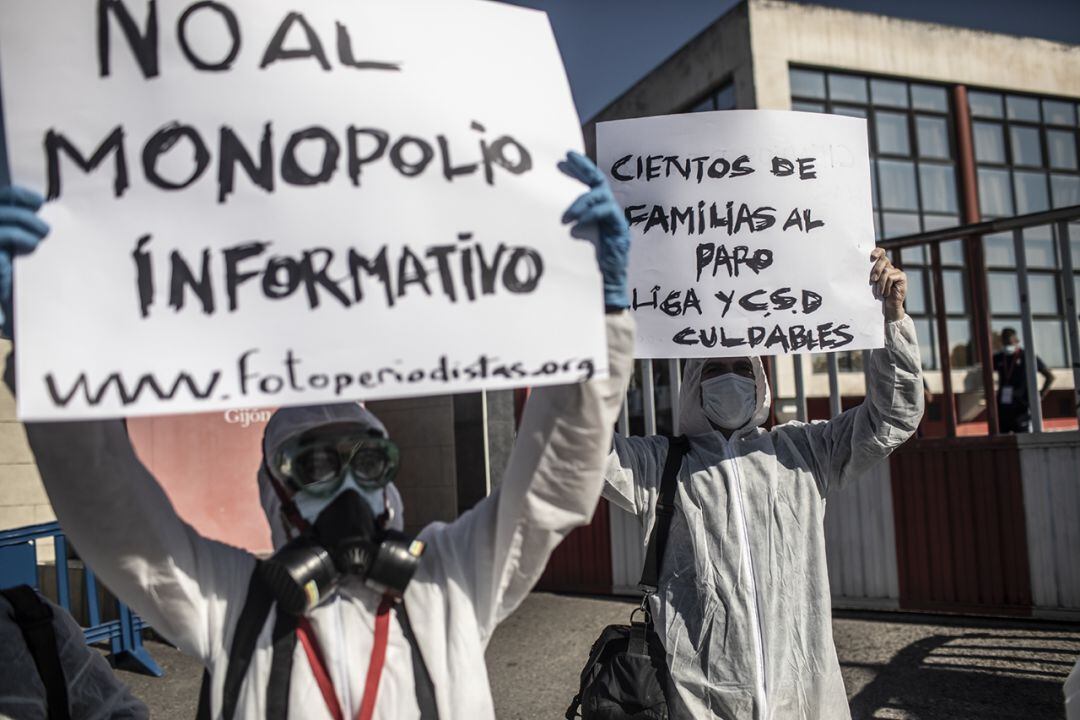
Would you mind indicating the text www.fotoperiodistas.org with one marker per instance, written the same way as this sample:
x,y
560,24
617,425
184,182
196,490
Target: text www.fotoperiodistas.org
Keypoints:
x,y
288,376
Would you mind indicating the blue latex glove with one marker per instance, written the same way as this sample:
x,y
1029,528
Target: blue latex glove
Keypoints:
x,y
20,232
598,207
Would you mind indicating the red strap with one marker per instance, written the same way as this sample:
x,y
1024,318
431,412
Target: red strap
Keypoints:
x,y
375,665
378,658
318,668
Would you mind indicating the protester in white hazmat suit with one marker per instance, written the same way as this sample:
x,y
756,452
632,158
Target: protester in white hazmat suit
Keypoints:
x,y
474,573
743,604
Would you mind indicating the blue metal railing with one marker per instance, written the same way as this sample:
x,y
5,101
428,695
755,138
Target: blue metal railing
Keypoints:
x,y
18,566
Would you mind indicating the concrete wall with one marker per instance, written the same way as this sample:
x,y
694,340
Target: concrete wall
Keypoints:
x,y
1050,463
718,54
22,496
860,543
423,428
784,33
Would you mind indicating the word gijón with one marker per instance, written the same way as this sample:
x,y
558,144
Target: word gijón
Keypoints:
x,y
246,418
466,270
790,338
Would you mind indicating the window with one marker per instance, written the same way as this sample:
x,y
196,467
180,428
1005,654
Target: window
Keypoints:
x,y
933,137
1026,152
723,98
896,179
985,104
892,133
989,142
1025,146
938,184
807,84
913,174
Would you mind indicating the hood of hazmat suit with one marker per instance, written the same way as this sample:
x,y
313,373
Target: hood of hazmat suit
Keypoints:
x,y
475,572
743,606
93,689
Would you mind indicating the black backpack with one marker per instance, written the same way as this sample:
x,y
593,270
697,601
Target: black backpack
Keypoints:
x,y
626,677
35,619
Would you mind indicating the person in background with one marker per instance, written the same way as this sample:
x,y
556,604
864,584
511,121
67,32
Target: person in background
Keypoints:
x,y
743,606
1014,406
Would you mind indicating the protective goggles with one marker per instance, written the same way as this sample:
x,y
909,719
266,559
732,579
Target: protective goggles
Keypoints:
x,y
317,461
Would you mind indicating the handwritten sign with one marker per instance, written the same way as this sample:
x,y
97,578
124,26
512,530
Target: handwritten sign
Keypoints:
x,y
751,232
259,205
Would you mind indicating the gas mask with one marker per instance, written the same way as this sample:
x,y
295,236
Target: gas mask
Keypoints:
x,y
729,400
331,481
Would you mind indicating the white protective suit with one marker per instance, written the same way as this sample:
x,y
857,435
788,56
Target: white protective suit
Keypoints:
x,y
94,692
475,572
743,606
1072,694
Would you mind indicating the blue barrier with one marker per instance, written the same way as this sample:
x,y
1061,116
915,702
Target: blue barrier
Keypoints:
x,y
18,566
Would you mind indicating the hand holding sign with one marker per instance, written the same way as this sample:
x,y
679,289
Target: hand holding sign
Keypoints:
x,y
890,284
20,232
598,207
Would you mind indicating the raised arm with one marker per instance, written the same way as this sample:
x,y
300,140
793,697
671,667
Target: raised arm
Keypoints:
x,y
496,552
845,447
110,506
123,525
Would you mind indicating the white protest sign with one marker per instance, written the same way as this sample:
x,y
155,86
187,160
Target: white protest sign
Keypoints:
x,y
262,202
751,232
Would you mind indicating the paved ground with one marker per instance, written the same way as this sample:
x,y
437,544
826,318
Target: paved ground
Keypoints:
x,y
896,667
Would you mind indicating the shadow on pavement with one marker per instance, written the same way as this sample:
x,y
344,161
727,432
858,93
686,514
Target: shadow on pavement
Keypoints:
x,y
983,675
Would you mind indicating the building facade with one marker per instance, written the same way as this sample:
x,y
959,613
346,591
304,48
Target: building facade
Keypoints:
x,y
906,79
964,126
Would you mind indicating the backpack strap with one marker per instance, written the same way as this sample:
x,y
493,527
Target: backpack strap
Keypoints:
x,y
202,711
425,688
248,627
678,447
277,689
34,618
